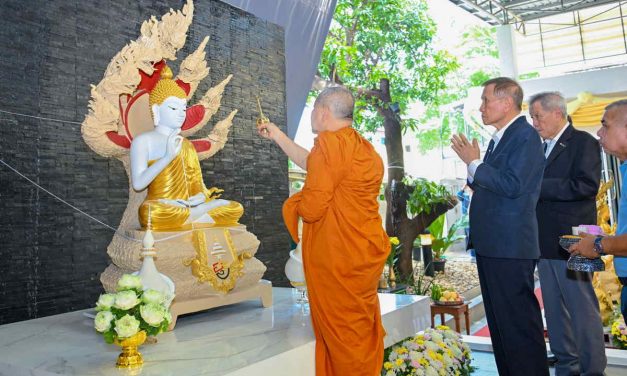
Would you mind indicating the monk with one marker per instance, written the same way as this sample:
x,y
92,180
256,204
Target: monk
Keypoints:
x,y
344,244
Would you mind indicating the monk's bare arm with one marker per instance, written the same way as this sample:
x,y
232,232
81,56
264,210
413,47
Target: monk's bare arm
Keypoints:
x,y
295,152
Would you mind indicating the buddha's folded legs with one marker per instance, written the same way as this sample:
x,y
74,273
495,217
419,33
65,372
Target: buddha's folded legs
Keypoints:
x,y
172,217
162,216
219,212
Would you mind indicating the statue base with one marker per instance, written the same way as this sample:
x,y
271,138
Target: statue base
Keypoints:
x,y
262,290
186,261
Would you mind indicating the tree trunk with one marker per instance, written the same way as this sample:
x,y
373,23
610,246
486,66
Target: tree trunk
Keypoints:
x,y
396,193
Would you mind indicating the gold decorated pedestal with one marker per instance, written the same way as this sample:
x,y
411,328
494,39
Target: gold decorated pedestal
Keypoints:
x,y
130,356
201,282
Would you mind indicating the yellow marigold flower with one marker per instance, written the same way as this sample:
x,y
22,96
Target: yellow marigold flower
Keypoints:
x,y
442,327
387,365
394,240
401,350
399,362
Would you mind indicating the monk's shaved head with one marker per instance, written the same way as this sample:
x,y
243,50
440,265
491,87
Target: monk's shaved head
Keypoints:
x,y
338,100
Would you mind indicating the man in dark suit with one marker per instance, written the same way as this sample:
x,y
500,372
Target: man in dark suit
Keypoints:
x,y
572,175
504,229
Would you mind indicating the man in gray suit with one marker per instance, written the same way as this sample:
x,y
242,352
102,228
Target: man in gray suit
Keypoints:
x,y
572,174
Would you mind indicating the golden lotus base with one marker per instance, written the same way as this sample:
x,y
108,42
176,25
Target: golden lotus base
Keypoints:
x,y
261,290
130,356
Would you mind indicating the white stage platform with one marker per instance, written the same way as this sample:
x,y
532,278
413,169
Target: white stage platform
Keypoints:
x,y
242,339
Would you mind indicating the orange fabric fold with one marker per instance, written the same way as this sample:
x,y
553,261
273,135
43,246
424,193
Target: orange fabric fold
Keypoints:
x,y
344,250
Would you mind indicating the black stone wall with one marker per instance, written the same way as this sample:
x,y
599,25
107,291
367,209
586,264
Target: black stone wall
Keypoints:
x,y
50,255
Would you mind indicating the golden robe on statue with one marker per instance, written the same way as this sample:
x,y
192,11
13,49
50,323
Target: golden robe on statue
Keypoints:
x,y
182,179
344,250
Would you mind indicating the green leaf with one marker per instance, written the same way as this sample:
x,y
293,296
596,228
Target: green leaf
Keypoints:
x,y
109,336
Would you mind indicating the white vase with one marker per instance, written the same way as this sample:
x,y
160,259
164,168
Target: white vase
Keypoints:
x,y
150,276
294,269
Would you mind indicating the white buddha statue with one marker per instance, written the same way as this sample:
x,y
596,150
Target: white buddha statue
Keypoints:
x,y
167,164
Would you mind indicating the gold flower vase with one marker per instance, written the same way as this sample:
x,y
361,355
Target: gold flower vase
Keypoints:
x,y
130,356
392,277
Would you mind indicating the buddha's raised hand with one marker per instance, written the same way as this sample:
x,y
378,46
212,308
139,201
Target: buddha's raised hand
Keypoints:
x,y
173,145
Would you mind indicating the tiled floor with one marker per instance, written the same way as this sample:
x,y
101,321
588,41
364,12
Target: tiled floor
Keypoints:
x,y
485,366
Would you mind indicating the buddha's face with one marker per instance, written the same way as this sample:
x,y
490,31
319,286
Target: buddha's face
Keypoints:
x,y
170,113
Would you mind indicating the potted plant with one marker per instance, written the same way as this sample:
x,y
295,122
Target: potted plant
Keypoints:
x,y
441,242
413,205
420,284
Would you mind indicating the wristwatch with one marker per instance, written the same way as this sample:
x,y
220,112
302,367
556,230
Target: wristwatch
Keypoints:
x,y
598,247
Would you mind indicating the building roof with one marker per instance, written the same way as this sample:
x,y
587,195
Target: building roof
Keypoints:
x,y
518,12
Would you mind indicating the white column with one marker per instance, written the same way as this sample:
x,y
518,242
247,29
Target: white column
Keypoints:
x,y
507,50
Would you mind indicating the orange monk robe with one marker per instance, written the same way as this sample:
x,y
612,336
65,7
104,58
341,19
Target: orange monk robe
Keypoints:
x,y
344,250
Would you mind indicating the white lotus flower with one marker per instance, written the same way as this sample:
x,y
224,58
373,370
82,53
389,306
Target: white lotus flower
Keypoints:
x,y
102,321
151,296
153,314
127,326
129,281
105,301
126,300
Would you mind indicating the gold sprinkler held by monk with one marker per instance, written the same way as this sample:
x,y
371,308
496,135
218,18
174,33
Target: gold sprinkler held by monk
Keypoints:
x,y
261,119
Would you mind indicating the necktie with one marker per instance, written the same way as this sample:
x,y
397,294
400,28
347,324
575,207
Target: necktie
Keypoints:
x,y
546,145
489,150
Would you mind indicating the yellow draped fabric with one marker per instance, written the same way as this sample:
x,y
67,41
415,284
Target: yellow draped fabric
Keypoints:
x,y
182,179
587,110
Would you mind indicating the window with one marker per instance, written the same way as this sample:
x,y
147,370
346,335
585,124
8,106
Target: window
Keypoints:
x,y
583,39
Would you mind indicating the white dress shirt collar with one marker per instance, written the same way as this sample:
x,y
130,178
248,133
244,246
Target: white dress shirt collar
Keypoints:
x,y
497,135
550,142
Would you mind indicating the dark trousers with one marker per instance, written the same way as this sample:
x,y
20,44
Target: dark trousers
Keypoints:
x,y
513,315
623,297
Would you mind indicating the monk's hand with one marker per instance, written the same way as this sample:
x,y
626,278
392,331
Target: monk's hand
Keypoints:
x,y
269,130
585,247
466,150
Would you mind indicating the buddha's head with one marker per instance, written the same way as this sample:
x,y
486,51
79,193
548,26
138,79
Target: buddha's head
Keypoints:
x,y
168,102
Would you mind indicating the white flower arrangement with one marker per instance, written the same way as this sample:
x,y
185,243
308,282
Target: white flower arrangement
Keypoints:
x,y
435,352
131,310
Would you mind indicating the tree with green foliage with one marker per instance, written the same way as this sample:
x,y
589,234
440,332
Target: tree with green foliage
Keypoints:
x,y
383,51
479,51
